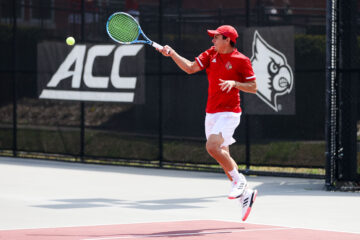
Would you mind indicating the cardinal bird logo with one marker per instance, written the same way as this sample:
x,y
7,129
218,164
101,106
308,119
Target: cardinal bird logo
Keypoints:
x,y
273,74
228,66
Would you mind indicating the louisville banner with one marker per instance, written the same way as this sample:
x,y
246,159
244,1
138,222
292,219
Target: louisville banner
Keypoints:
x,y
100,73
271,51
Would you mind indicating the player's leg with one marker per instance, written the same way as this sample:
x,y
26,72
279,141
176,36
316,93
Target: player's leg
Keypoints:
x,y
247,199
214,148
222,156
226,172
210,121
219,135
219,131
239,184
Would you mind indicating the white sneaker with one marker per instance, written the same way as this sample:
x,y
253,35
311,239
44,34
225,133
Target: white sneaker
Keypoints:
x,y
246,201
237,189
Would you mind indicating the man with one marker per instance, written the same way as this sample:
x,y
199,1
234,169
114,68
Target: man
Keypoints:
x,y
228,72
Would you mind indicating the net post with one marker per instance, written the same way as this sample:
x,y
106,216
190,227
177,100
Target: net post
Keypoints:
x,y
14,81
331,123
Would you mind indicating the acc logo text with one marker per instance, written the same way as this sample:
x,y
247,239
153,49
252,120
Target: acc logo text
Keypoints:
x,y
76,68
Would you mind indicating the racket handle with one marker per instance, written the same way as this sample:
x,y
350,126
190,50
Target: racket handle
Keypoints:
x,y
157,46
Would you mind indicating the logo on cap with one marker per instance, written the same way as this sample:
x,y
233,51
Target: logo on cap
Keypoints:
x,y
225,30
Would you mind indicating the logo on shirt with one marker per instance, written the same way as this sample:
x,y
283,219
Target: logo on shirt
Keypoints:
x,y
274,75
228,66
214,60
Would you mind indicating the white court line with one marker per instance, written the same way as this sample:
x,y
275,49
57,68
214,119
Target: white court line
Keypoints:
x,y
187,234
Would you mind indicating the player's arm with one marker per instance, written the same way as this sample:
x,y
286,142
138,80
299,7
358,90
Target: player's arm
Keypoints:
x,y
227,85
248,84
249,87
183,63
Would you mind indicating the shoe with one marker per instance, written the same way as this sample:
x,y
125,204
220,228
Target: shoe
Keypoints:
x,y
237,189
246,201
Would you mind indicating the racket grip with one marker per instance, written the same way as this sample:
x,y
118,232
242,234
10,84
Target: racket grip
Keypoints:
x,y
157,46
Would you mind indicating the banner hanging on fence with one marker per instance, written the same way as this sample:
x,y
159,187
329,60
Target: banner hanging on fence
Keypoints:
x,y
271,51
99,73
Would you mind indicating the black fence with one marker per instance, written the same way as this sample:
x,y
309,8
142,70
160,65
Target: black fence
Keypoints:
x,y
164,127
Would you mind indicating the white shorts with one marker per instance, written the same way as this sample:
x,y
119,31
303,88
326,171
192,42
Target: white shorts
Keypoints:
x,y
224,123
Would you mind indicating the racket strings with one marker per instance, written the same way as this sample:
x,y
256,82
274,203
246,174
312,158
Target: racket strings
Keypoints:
x,y
123,28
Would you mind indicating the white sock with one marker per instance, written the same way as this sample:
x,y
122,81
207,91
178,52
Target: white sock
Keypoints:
x,y
236,176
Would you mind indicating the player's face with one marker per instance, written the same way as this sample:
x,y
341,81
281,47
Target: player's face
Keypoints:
x,y
219,42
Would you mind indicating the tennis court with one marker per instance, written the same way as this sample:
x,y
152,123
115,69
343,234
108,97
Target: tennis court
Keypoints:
x,y
59,200
182,230
82,88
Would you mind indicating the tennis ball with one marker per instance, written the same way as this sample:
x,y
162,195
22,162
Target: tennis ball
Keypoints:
x,y
70,41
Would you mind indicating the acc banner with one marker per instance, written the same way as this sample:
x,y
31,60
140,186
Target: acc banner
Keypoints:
x,y
100,73
271,51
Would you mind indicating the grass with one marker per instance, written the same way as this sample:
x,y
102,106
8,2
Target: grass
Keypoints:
x,y
110,147
273,153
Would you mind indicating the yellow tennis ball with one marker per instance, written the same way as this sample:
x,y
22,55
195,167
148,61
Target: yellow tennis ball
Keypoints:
x,y
70,41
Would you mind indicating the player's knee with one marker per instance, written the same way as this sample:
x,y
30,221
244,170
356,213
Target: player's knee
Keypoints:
x,y
212,147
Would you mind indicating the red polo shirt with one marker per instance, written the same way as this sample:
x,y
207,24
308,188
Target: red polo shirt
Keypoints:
x,y
231,66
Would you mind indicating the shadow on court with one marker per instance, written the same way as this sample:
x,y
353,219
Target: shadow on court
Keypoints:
x,y
152,205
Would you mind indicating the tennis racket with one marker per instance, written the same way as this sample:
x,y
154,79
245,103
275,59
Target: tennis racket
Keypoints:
x,y
124,29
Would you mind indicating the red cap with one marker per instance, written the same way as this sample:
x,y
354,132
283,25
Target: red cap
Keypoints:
x,y
225,30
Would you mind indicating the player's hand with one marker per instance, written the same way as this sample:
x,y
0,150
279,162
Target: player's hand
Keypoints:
x,y
226,85
166,51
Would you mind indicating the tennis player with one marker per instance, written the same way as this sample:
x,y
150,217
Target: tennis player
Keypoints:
x,y
228,72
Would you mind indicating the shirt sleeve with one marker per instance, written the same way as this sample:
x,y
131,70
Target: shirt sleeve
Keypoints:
x,y
203,59
247,71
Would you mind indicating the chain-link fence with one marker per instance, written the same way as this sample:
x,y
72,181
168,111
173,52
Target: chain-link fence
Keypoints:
x,y
282,129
